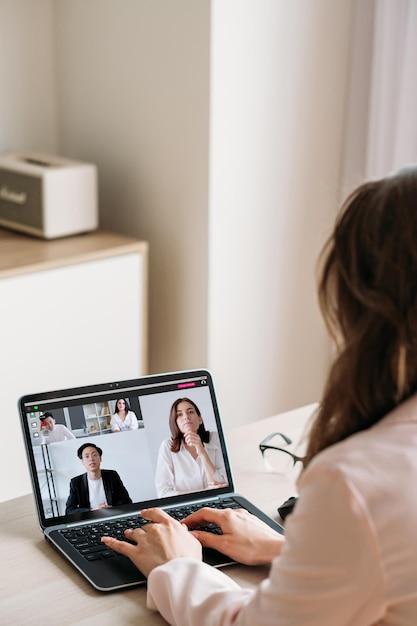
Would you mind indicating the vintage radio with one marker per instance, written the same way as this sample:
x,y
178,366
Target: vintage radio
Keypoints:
x,y
47,196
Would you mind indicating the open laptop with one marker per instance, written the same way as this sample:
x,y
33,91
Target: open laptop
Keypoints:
x,y
86,413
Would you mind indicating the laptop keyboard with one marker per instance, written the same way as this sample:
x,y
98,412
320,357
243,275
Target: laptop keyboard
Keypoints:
x,y
87,538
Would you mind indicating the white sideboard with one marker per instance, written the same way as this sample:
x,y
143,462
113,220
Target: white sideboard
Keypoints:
x,y
73,311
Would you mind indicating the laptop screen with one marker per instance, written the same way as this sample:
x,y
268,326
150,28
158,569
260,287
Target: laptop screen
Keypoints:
x,y
126,430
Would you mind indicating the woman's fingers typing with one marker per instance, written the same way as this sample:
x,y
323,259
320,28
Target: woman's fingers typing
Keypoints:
x,y
244,538
157,542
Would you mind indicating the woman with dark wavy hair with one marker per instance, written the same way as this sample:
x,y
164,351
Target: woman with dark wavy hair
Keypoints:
x,y
349,556
123,417
192,459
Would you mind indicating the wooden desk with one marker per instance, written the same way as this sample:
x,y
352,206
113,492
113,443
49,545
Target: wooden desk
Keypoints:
x,y
39,587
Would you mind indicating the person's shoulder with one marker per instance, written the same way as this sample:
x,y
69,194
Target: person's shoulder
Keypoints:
x,y
109,472
362,459
165,451
109,475
77,479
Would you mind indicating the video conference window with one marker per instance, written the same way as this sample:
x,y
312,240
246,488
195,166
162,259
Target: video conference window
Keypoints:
x,y
113,451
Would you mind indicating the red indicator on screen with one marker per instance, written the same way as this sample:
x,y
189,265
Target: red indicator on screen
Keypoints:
x,y
183,385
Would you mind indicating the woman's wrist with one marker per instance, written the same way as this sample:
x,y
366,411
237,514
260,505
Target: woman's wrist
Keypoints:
x,y
269,549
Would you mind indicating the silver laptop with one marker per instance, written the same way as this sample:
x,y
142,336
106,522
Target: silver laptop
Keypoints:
x,y
130,462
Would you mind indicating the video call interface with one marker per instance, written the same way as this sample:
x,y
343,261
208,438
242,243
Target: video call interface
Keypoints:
x,y
58,428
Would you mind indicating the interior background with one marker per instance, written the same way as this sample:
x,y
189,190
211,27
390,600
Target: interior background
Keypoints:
x,y
226,133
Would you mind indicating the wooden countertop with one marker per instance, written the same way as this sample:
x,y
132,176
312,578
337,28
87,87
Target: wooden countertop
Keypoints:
x,y
23,254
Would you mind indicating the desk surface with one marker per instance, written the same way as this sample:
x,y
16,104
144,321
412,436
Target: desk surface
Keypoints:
x,y
39,587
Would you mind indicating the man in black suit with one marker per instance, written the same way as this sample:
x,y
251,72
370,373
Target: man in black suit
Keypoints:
x,y
97,488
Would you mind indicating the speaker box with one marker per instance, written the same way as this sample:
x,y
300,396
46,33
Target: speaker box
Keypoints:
x,y
47,196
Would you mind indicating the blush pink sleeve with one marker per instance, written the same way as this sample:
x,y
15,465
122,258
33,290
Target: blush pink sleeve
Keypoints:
x,y
186,591
328,573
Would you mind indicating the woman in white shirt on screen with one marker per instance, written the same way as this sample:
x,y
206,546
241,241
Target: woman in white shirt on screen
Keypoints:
x,y
192,459
349,555
123,418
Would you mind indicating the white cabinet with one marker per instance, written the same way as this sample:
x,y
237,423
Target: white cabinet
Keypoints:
x,y
72,312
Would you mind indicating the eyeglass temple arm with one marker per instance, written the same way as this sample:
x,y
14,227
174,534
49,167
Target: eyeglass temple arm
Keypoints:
x,y
272,435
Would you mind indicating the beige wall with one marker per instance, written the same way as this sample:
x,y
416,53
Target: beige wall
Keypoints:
x,y
278,92
133,86
217,128
28,107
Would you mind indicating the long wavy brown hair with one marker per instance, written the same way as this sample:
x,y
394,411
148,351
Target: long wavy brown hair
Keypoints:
x,y
368,297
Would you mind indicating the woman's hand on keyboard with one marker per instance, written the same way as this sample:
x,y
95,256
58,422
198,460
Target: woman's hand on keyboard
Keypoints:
x,y
245,538
156,543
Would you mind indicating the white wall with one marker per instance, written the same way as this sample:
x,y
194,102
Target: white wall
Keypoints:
x,y
359,96
234,229
28,107
133,97
278,90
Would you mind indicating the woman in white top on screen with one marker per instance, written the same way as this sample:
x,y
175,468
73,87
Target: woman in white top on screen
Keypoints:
x,y
192,459
123,418
349,556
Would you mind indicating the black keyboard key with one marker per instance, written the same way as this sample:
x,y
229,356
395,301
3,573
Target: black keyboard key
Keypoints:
x,y
91,549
